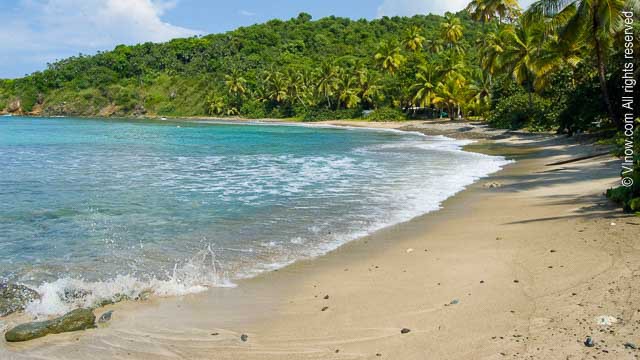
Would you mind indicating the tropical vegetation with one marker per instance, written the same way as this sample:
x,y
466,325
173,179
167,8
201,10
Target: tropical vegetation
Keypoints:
x,y
556,66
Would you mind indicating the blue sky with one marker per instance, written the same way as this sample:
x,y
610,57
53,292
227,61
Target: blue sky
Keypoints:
x,y
34,32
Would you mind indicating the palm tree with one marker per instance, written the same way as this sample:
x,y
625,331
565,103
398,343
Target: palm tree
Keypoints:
x,y
215,104
424,88
487,10
236,85
450,93
491,48
327,74
347,90
521,52
277,90
434,46
451,29
480,90
370,88
597,20
413,39
389,57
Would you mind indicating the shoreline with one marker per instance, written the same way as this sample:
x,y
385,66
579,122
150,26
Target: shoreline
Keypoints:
x,y
376,285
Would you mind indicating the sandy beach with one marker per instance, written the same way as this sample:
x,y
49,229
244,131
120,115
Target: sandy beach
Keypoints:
x,y
524,264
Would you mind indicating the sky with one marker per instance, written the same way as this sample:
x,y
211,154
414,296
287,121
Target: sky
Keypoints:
x,y
36,32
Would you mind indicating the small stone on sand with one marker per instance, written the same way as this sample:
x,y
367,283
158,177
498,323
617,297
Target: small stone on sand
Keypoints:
x,y
244,337
405,331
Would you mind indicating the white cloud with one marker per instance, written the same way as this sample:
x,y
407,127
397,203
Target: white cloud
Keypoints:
x,y
53,29
413,7
246,13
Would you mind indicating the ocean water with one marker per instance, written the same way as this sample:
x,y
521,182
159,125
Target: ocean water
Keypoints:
x,y
96,209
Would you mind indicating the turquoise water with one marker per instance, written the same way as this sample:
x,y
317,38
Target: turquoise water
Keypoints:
x,y
121,206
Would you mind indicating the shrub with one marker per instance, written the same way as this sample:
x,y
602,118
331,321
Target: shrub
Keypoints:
x,y
328,114
516,111
386,114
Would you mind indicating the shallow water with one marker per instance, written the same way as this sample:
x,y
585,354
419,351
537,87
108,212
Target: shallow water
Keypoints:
x,y
117,207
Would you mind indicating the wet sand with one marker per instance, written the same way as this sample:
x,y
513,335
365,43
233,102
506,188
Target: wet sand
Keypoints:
x,y
520,265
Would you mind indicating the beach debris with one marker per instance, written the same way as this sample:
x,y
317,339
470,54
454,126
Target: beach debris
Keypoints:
x,y
105,317
606,320
630,345
14,297
409,250
481,281
405,331
552,251
516,281
326,297
378,354
215,334
454,302
244,337
589,342
325,308
76,320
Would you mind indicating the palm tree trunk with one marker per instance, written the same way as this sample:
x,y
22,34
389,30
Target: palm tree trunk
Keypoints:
x,y
602,75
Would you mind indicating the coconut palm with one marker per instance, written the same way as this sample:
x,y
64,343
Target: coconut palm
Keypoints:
x,y
434,46
236,83
451,29
389,57
370,88
424,88
413,39
327,76
596,20
521,53
347,90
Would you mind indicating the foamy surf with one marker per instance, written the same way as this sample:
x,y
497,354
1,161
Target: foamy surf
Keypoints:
x,y
255,198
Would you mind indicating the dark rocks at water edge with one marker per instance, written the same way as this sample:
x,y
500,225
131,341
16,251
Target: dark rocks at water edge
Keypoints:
x,y
79,319
14,297
106,317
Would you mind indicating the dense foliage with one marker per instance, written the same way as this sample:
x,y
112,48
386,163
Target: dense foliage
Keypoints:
x,y
557,66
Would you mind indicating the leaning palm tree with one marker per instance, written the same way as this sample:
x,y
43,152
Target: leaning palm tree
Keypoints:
x,y
434,46
596,20
389,57
413,39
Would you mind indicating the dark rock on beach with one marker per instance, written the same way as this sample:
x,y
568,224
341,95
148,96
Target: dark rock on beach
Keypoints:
x,y
79,319
14,297
405,331
589,342
244,337
105,317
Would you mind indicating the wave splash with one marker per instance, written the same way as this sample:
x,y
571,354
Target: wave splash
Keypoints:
x,y
198,274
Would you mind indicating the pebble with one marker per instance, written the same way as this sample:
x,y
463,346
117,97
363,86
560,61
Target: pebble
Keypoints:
x,y
454,302
326,297
405,331
244,337
325,308
409,251
589,342
630,345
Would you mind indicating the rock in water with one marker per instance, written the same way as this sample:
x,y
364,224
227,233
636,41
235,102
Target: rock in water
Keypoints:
x,y
79,319
14,297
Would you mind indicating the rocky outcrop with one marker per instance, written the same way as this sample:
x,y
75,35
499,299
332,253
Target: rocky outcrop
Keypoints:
x,y
14,297
79,319
15,107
